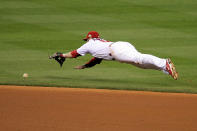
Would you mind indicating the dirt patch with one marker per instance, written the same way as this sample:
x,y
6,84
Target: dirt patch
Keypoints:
x,y
69,109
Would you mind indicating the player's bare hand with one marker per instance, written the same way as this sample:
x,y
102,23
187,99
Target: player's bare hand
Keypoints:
x,y
80,67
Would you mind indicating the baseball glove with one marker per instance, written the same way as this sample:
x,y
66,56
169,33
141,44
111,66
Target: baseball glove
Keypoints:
x,y
57,56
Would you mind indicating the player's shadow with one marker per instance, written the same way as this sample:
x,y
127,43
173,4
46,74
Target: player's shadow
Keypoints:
x,y
58,77
135,82
105,80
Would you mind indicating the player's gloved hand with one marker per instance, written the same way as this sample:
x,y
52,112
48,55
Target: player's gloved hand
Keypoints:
x,y
57,54
58,57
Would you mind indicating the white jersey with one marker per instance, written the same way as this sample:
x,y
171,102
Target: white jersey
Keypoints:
x,y
98,48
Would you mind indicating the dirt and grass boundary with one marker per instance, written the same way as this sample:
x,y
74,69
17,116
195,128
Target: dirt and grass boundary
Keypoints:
x,y
45,108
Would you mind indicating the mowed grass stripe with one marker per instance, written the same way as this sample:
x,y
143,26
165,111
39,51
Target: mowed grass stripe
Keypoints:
x,y
32,29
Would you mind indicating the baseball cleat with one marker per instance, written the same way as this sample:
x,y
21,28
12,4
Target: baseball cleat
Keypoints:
x,y
170,68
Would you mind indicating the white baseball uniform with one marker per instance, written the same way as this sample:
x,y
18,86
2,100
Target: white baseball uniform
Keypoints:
x,y
122,52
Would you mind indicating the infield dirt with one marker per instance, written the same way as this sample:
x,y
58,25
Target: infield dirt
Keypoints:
x,y
73,109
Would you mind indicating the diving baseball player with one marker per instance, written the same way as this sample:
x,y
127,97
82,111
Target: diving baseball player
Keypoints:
x,y
120,51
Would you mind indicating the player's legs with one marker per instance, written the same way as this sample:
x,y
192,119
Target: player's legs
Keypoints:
x,y
126,53
147,61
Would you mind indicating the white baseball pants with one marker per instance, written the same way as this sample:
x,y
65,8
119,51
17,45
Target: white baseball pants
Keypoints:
x,y
126,53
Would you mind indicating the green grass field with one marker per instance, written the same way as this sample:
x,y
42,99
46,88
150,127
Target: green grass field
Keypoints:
x,y
29,30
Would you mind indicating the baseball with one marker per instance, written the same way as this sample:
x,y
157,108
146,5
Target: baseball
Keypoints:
x,y
25,75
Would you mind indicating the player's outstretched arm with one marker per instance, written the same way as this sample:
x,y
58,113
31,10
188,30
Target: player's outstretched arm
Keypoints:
x,y
72,54
61,57
67,55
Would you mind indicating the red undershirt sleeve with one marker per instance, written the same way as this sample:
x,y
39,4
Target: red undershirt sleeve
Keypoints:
x,y
75,54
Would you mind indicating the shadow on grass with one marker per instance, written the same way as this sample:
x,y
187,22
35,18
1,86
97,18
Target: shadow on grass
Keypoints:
x,y
109,82
58,78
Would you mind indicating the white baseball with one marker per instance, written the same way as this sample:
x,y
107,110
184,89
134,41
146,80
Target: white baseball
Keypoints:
x,y
25,75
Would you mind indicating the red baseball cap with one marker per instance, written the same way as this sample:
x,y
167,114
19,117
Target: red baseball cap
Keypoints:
x,y
91,34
